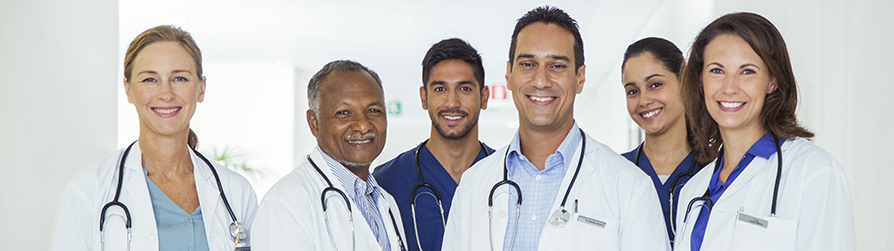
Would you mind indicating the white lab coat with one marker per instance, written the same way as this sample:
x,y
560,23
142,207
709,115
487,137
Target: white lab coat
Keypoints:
x,y
291,217
78,215
610,190
813,208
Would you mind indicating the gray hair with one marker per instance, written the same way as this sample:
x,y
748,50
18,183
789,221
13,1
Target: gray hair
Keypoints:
x,y
313,87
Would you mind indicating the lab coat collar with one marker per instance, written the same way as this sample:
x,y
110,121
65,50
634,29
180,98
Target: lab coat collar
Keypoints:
x,y
764,159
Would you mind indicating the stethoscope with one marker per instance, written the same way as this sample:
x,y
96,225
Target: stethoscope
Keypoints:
x,y
237,230
559,218
429,186
691,172
323,201
707,200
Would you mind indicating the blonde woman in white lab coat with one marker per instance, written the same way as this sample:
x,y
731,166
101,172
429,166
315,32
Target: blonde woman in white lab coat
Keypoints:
x,y
741,97
172,195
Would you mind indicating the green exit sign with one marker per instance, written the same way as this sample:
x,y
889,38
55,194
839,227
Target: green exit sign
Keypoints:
x,y
394,107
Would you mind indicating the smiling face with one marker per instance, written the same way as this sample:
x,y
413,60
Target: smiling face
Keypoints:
x,y
543,80
736,82
351,123
653,95
164,89
453,98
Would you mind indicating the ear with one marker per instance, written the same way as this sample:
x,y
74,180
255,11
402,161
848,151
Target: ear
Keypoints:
x,y
422,96
127,91
312,122
508,70
201,91
581,77
773,85
485,95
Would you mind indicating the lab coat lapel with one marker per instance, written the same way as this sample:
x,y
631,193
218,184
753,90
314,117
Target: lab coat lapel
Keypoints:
x,y
363,233
585,170
135,194
753,169
209,198
500,214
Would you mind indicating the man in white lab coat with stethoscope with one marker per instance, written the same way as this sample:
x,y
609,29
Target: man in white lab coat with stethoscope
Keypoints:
x,y
553,187
330,202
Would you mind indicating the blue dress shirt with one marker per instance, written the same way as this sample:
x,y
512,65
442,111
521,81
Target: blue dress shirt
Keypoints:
x,y
763,148
539,189
664,189
177,230
398,176
365,195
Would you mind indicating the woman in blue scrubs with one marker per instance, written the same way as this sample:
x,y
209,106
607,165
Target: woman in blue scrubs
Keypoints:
x,y
650,73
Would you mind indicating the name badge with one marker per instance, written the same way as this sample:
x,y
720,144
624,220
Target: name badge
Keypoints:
x,y
591,221
753,220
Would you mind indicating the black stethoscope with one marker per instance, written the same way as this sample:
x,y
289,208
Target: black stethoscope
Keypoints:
x,y
558,219
710,202
237,230
429,186
332,188
691,172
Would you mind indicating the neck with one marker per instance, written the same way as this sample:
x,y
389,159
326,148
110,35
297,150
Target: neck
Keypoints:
x,y
362,171
735,144
667,150
165,155
455,155
538,143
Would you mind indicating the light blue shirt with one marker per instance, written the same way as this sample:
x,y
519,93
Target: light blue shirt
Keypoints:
x,y
364,194
539,189
177,230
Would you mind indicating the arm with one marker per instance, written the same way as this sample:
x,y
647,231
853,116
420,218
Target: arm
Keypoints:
x,y
642,223
827,216
74,226
278,225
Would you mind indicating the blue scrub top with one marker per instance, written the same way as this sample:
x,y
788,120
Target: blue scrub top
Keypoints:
x,y
664,190
398,177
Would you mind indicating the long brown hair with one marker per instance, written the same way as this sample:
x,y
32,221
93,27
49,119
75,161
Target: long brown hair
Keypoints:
x,y
778,113
163,33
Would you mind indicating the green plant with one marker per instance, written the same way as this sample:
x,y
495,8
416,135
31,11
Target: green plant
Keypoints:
x,y
233,158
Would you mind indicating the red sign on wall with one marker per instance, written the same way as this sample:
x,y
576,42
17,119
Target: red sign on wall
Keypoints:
x,y
498,91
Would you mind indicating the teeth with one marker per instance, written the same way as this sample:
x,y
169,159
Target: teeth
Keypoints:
x,y
166,111
731,104
652,113
453,117
542,99
360,141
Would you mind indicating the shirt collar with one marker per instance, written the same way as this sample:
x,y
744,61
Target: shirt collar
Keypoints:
x,y
351,183
764,147
565,150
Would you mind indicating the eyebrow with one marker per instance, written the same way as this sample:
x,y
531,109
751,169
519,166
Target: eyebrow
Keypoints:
x,y
714,63
554,57
653,75
155,72
746,65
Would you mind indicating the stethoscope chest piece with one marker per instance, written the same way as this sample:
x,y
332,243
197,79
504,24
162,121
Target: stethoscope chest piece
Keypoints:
x,y
560,218
238,231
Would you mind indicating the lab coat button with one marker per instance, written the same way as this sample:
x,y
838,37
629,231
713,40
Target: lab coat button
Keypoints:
x,y
502,214
152,236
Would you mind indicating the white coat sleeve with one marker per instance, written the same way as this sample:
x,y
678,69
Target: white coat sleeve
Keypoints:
x,y
642,226
453,231
74,226
281,225
250,207
827,216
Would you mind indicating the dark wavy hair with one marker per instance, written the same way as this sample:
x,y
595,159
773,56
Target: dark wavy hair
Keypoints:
x,y
778,113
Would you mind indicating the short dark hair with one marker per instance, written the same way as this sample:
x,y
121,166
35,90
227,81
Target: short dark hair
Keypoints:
x,y
549,15
662,49
778,113
313,86
452,48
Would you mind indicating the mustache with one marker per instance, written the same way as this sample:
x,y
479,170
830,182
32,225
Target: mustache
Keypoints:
x,y
454,111
361,135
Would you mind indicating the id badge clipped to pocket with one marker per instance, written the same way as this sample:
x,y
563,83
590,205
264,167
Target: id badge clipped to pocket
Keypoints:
x,y
763,233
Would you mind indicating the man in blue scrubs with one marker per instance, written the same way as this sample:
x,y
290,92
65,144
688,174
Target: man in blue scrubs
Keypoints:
x,y
454,94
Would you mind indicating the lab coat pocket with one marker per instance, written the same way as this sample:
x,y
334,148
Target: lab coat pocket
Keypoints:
x,y
763,233
590,231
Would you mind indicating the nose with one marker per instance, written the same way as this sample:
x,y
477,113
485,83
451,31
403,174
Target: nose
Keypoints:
x,y
730,86
166,91
362,124
452,99
541,77
646,99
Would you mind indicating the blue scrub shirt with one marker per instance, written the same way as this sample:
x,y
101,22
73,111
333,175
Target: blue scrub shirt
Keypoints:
x,y
665,188
399,175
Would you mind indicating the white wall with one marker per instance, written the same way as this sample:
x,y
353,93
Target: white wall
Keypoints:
x,y
841,54
57,106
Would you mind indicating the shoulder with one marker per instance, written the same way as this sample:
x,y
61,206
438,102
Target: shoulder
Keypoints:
x,y
297,186
803,154
611,164
631,155
396,165
102,170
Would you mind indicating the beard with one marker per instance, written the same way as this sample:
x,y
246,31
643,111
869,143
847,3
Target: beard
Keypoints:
x,y
442,130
